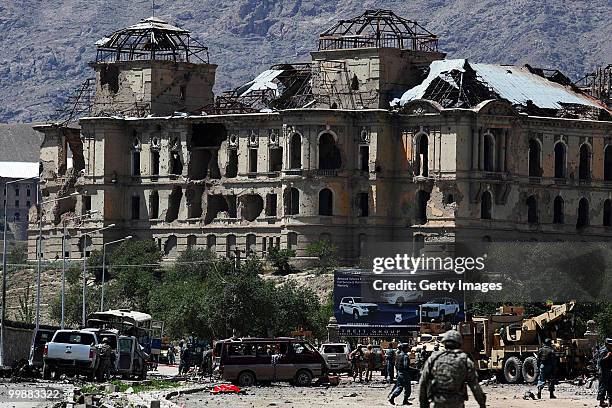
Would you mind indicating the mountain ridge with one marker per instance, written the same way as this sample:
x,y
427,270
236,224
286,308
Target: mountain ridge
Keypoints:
x,y
48,43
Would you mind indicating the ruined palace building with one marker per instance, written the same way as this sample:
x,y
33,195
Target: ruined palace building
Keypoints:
x,y
378,138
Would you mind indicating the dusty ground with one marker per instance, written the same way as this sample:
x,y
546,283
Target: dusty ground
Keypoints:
x,y
351,394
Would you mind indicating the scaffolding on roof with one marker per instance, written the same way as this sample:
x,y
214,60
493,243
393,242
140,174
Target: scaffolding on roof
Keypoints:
x,y
378,29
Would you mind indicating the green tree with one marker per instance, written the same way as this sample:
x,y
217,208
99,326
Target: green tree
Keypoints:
x,y
326,252
279,258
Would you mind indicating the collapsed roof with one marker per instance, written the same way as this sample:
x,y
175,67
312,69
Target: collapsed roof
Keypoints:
x,y
283,86
456,83
150,39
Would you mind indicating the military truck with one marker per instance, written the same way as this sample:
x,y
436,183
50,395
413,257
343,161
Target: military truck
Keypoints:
x,y
507,342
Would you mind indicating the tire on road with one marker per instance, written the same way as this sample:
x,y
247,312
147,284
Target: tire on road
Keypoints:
x,y
46,372
303,378
512,370
246,379
530,370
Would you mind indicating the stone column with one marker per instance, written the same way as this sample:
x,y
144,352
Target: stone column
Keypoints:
x,y
474,150
502,151
481,149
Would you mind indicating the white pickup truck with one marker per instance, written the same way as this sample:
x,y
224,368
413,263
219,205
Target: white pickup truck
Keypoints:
x,y
71,352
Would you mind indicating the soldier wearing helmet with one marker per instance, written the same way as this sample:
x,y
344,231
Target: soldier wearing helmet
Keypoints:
x,y
106,357
446,376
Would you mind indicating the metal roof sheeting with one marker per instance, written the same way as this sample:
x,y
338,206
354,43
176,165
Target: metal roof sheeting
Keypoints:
x,y
262,82
516,84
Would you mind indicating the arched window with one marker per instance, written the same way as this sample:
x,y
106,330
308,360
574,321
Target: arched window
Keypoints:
x,y
584,169
608,163
560,160
192,241
558,211
422,197
422,158
251,244
295,152
326,202
489,152
211,243
292,201
486,205
329,154
607,213
583,213
534,158
532,210
230,246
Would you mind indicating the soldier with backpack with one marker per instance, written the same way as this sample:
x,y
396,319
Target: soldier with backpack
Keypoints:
x,y
446,375
402,365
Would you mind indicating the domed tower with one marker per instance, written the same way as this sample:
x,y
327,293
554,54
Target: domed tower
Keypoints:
x,y
151,68
366,61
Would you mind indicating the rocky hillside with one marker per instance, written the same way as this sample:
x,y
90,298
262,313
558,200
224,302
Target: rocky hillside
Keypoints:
x,y
46,44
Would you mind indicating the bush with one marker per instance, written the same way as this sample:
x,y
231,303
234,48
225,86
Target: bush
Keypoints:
x,y
326,252
279,258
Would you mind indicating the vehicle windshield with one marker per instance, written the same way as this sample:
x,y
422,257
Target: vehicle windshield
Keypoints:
x,y
357,300
74,338
334,348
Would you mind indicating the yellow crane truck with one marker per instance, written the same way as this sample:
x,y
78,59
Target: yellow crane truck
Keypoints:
x,y
507,342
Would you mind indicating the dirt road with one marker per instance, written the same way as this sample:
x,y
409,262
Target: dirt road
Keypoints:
x,y
351,395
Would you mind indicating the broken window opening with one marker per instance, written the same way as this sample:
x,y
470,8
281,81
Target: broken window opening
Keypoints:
x,y
607,213
217,204
271,205
192,241
364,204
85,204
326,202
176,164
182,92
84,245
422,155
276,159
208,135
252,160
251,245
136,163
583,213
194,202
532,210
364,158
291,199
231,205
295,152
135,206
422,197
198,164
154,205
558,211
560,160
489,152
64,206
251,206
329,154
211,243
109,75
355,83
230,247
292,240
534,158
584,168
450,199
608,163
486,204
174,203
154,163
231,170
170,246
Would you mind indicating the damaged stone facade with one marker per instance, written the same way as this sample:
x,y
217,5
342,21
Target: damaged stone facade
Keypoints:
x,y
345,167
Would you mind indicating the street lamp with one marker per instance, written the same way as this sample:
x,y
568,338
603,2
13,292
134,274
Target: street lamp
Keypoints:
x,y
85,235
104,266
39,264
64,235
4,262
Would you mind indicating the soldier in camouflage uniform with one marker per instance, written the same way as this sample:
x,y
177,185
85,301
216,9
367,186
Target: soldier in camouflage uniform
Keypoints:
x,y
546,362
106,357
446,375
